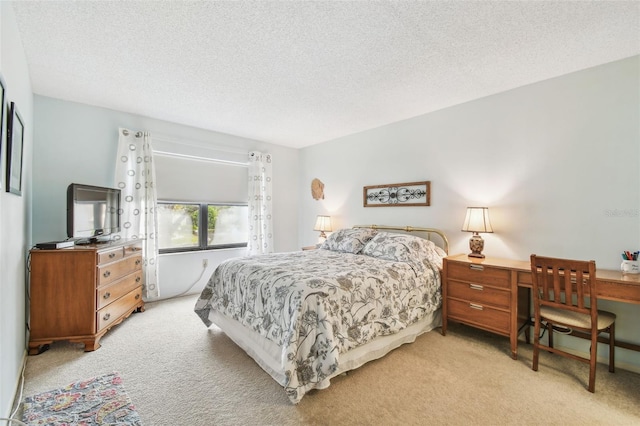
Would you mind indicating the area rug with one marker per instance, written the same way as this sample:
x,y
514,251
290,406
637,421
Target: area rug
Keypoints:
x,y
100,400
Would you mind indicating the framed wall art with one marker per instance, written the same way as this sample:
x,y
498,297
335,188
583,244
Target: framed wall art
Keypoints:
x,y
398,194
15,141
3,91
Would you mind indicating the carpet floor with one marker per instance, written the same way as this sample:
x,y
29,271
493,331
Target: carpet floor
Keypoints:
x,y
178,372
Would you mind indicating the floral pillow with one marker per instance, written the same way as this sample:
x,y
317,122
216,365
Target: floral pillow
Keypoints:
x,y
403,248
349,240
435,256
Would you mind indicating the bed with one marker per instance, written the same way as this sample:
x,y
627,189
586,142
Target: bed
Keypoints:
x,y
308,316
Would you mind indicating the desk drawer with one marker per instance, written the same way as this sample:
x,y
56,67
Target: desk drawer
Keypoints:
x,y
479,315
480,274
480,294
524,278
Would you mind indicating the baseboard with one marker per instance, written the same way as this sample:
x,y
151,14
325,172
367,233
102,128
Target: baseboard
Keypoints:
x,y
17,393
634,368
603,360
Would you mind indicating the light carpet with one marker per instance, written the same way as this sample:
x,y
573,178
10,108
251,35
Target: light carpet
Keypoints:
x,y
178,372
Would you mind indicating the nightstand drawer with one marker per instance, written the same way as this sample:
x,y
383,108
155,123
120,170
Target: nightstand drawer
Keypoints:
x,y
480,274
478,293
479,315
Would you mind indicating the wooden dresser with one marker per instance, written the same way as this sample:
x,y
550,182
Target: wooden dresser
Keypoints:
x,y
79,293
483,293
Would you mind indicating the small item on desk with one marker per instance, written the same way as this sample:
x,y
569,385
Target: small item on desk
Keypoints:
x,y
630,263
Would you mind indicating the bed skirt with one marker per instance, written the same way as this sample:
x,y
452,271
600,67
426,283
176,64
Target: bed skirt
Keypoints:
x,y
268,355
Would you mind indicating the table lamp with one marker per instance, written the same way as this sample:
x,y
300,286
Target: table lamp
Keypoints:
x,y
476,221
323,224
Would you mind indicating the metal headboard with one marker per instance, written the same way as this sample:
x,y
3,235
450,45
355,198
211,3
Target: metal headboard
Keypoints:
x,y
429,232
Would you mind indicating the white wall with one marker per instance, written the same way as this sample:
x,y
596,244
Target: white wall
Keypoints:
x,y
557,163
15,221
77,143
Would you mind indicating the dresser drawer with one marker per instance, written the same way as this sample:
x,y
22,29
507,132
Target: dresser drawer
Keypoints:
x,y
108,256
113,271
133,249
480,274
479,315
478,293
112,292
111,313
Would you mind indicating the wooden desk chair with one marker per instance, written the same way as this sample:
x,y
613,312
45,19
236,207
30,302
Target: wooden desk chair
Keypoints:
x,y
561,290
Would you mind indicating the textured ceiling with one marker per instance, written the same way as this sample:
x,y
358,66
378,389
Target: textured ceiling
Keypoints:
x,y
296,73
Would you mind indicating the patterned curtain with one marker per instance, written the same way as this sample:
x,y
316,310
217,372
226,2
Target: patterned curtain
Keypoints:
x,y
135,176
260,204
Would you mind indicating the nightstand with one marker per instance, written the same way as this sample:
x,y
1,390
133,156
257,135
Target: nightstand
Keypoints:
x,y
483,293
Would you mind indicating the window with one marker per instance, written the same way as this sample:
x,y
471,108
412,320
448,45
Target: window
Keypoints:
x,y
186,226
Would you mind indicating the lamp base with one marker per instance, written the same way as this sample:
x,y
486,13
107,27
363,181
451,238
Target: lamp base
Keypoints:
x,y
476,244
478,255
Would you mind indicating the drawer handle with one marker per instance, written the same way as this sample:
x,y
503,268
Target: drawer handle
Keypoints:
x,y
106,274
138,279
138,262
106,295
106,316
137,296
475,267
112,255
476,287
477,307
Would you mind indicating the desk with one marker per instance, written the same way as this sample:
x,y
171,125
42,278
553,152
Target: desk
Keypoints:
x,y
610,285
494,294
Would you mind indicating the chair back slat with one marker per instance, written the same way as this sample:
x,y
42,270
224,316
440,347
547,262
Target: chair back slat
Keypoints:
x,y
564,283
580,284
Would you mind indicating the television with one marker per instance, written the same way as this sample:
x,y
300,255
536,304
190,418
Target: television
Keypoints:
x,y
92,212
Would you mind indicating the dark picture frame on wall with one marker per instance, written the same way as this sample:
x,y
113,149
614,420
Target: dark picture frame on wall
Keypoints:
x,y
398,195
15,143
3,91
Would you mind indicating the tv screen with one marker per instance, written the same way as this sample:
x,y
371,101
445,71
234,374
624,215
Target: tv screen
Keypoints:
x,y
92,211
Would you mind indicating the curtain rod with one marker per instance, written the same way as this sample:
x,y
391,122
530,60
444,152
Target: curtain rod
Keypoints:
x,y
199,158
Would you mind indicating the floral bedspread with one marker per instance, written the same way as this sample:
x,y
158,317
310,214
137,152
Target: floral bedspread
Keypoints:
x,y
318,304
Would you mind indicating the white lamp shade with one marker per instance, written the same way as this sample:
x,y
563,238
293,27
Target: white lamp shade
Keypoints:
x,y
477,220
323,224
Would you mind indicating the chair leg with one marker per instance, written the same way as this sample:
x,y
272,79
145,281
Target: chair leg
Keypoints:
x,y
550,332
593,355
536,342
612,347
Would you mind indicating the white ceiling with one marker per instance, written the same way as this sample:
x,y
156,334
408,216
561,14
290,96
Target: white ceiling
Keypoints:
x,y
296,73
